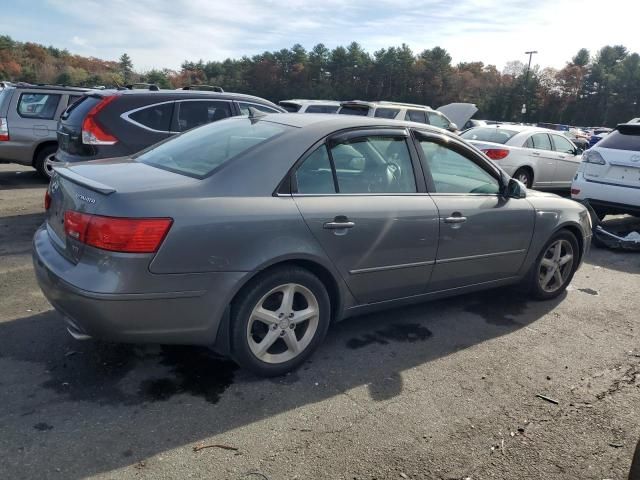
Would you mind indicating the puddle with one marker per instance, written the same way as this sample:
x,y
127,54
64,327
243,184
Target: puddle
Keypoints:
x,y
498,309
43,427
407,332
196,371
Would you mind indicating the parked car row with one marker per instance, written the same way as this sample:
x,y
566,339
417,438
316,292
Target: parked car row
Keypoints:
x,y
45,125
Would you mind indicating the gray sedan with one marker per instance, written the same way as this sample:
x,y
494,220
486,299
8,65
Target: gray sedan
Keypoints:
x,y
254,234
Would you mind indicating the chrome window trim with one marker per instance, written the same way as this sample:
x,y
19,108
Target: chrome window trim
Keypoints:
x,y
125,115
257,104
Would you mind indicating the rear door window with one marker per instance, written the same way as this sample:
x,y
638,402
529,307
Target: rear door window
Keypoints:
x,y
363,110
38,105
419,116
193,113
315,175
290,107
322,109
386,112
155,117
437,120
244,108
541,141
562,145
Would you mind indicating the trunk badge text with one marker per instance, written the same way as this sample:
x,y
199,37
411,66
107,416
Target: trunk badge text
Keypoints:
x,y
84,198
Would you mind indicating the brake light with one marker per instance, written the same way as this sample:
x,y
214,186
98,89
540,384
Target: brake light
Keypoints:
x,y
47,200
92,132
592,156
4,130
575,191
496,153
127,235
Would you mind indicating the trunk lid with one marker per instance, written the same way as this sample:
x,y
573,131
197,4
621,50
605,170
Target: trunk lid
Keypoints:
x,y
459,113
115,188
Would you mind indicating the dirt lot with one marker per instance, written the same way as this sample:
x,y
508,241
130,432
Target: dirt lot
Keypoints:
x,y
442,390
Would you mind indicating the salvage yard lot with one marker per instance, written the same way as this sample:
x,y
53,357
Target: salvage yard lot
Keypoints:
x,y
440,390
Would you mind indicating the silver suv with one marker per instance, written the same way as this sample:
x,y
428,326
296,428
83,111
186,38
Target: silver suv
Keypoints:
x,y
28,118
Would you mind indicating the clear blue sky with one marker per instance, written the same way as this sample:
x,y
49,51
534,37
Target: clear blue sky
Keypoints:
x,y
161,33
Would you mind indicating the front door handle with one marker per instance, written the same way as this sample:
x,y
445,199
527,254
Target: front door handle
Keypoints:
x,y
339,223
455,219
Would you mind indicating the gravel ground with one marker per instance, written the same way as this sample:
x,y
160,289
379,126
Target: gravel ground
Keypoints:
x,y
445,390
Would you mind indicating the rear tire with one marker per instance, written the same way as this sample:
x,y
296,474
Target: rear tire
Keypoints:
x,y
525,176
553,270
42,161
278,320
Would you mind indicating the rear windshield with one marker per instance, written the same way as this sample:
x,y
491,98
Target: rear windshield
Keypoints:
x,y
348,110
198,152
290,107
76,112
489,134
623,138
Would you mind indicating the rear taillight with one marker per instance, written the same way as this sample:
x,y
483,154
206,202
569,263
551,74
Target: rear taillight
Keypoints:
x,y
496,153
47,200
592,156
4,130
92,132
128,235
575,191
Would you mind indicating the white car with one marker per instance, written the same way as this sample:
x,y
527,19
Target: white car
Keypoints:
x,y
410,112
609,175
538,157
298,105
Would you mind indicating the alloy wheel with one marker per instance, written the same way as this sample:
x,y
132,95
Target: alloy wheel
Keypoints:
x,y
556,266
49,162
523,177
283,323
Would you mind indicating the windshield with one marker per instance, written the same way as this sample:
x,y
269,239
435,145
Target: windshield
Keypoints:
x,y
623,138
489,134
198,152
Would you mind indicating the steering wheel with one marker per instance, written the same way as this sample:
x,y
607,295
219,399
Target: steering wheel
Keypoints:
x,y
395,172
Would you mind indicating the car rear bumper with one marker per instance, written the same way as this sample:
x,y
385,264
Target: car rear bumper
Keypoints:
x,y
614,198
174,316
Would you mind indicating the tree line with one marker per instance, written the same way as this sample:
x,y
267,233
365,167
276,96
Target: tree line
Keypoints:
x,y
592,89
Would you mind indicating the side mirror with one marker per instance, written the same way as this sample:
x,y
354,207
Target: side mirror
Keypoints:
x,y
515,189
453,127
578,151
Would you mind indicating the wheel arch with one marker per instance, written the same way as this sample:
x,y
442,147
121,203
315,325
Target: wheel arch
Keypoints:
x,y
530,169
40,147
329,278
576,230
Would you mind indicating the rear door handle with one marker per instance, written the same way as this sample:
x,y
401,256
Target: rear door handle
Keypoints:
x,y
537,154
339,223
455,219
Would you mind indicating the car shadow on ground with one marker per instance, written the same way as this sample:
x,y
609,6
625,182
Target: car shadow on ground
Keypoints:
x,y
10,180
66,401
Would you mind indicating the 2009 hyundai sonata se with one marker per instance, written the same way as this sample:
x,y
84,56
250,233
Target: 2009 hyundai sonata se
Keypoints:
x,y
253,234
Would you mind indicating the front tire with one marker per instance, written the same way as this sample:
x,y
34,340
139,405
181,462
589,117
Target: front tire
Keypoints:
x,y
555,266
44,160
278,320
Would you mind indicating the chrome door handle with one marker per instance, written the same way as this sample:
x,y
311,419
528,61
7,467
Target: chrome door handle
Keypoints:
x,y
338,225
455,219
537,154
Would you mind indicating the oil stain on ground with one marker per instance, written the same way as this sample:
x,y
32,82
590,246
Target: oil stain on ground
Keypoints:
x,y
196,371
498,308
402,332
588,291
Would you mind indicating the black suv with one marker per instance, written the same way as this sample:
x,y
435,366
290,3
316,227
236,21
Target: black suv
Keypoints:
x,y
116,123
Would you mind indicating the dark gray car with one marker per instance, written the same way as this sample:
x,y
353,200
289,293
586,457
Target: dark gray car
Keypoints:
x,y
254,234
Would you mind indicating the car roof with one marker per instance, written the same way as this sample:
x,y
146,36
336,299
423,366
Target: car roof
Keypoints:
x,y
520,128
180,92
330,122
301,101
386,104
64,88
